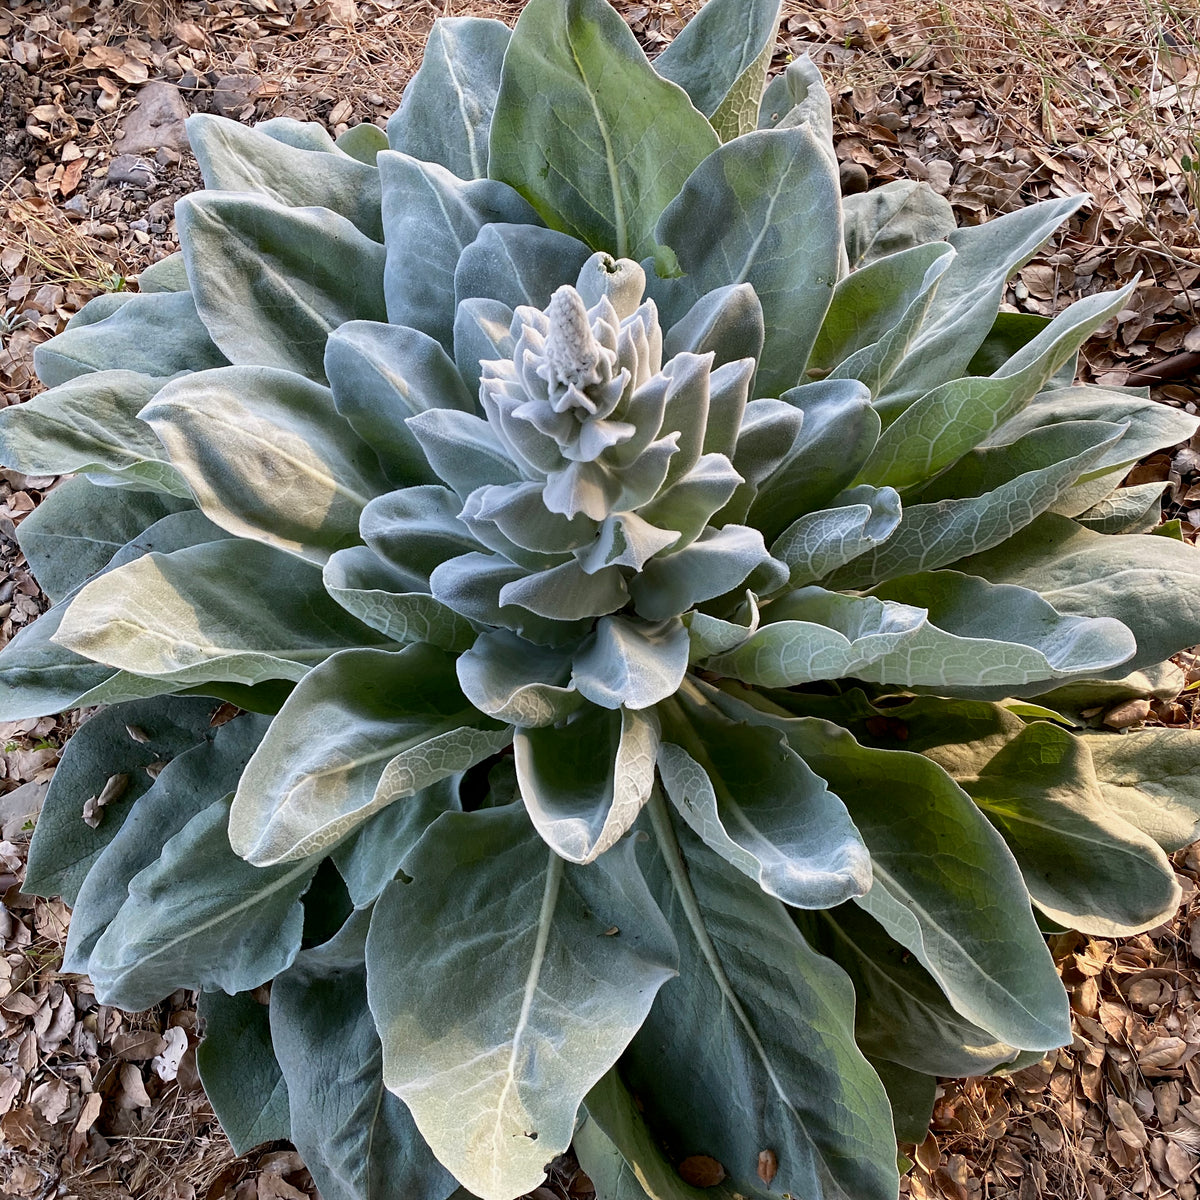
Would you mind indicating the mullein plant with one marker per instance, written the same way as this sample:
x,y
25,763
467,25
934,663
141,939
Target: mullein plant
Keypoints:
x,y
659,598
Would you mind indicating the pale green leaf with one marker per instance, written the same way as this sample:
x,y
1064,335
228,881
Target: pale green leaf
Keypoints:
x,y
272,282
237,158
157,335
78,527
227,431
381,596
892,218
1151,584
762,210
586,130
960,905
517,264
631,663
1151,778
496,1093
364,729
818,543
229,610
90,425
445,114
517,681
585,781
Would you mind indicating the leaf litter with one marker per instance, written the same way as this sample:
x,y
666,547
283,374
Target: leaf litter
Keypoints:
x,y
994,106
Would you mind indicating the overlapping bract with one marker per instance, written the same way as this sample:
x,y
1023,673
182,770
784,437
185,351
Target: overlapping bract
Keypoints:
x,y
663,677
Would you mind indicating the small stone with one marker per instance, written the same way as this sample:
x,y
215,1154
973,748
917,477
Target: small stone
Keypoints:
x,y
854,178
157,227
189,81
157,121
106,233
166,157
129,168
233,93
77,205
140,226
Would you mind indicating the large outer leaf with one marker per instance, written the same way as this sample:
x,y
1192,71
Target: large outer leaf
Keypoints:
x,y
363,729
969,294
1151,584
494,1065
430,216
1085,866
200,917
587,132
41,677
445,114
983,500
357,1139
755,802
752,1048
231,610
267,457
90,424
585,781
892,218
619,1153
239,1071
272,282
762,210
154,335
983,638
187,785
900,1012
720,58
236,158
940,427
64,847
78,527
960,904
1151,777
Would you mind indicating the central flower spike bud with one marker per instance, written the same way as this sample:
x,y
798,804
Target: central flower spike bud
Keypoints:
x,y
625,497
572,355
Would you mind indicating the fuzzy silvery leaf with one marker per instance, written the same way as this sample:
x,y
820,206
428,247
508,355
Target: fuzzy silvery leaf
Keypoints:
x,y
63,848
78,527
524,1042
517,681
239,1071
236,158
756,211
445,115
227,430
892,218
42,677
322,273
430,217
584,782
756,803
578,96
363,730
89,425
381,596
231,609
154,335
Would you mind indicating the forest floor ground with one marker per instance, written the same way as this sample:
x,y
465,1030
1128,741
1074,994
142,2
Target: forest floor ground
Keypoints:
x,y
995,105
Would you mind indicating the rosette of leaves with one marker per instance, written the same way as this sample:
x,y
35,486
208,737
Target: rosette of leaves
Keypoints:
x,y
659,602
